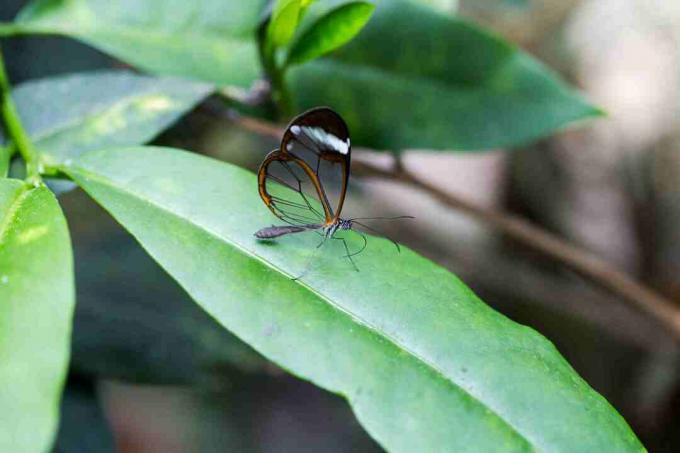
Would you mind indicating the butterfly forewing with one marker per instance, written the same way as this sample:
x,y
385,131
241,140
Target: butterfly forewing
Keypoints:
x,y
304,182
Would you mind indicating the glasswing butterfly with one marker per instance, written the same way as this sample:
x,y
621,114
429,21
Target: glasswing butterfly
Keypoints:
x,y
294,180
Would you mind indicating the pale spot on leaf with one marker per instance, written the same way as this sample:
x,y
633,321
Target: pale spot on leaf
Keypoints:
x,y
32,234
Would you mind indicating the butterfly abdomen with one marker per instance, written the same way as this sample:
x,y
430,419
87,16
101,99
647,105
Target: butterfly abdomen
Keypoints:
x,y
273,232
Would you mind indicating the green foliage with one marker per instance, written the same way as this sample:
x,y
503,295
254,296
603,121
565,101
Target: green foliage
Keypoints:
x,y
330,32
36,305
207,40
283,22
67,115
425,366
415,78
424,363
465,89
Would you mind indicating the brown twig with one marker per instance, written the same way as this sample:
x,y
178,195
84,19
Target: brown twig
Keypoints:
x,y
580,261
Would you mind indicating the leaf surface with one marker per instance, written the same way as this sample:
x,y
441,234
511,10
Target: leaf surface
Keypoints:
x,y
424,363
67,115
36,308
208,40
331,31
284,21
418,78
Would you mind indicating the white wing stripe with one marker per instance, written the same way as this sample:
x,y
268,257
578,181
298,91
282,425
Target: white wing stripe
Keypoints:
x,y
321,136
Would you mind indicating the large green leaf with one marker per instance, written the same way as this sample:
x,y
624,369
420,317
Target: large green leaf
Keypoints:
x,y
424,363
67,115
36,307
210,40
418,78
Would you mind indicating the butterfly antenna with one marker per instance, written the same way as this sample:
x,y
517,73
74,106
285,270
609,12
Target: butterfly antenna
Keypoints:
x,y
384,218
380,233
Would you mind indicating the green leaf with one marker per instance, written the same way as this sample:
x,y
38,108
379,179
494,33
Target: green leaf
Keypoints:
x,y
68,115
284,21
415,78
333,30
209,40
425,365
36,307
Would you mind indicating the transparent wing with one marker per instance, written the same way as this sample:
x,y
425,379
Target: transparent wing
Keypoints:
x,y
304,182
288,191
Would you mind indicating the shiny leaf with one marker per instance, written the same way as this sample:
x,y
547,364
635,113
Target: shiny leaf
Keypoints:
x,y
424,363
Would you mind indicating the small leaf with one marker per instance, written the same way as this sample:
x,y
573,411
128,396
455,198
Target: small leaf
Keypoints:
x,y
208,40
424,363
331,31
304,6
37,297
416,78
66,115
284,22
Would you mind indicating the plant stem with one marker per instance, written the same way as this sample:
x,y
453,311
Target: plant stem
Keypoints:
x,y
281,94
275,73
14,128
4,161
523,231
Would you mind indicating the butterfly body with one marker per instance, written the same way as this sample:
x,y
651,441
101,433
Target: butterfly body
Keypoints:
x,y
274,231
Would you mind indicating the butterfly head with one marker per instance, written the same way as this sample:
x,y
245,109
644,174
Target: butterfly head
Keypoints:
x,y
345,224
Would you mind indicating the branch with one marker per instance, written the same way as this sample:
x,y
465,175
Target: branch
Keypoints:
x,y
550,245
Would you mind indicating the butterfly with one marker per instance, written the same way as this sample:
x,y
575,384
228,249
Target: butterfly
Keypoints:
x,y
294,180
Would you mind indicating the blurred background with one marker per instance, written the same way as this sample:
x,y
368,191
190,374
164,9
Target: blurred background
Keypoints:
x,y
152,372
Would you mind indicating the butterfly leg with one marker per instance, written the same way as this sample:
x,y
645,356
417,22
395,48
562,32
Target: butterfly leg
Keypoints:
x,y
348,255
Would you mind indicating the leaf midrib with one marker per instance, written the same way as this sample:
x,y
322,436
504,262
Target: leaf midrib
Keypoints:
x,y
358,320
